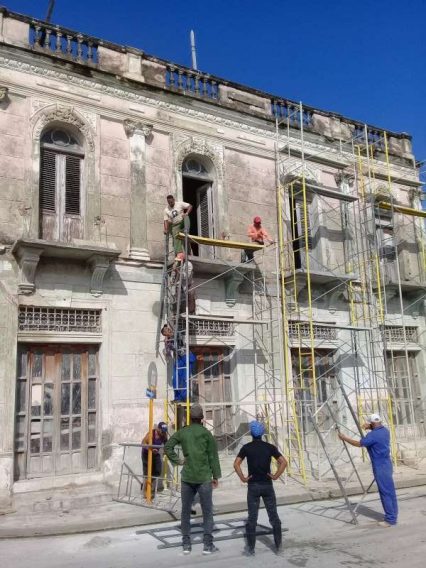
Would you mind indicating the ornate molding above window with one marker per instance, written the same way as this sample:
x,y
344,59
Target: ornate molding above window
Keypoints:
x,y
64,114
184,146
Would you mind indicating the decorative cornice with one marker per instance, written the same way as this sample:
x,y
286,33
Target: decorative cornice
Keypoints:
x,y
132,127
336,154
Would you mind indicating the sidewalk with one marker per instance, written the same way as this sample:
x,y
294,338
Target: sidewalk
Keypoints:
x,y
111,515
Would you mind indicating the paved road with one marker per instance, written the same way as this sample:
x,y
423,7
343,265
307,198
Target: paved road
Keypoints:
x,y
319,536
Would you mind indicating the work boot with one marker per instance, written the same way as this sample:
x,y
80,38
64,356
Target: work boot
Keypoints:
x,y
278,537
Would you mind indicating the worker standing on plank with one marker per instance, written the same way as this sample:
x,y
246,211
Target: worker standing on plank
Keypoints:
x,y
200,475
258,235
259,483
377,442
174,220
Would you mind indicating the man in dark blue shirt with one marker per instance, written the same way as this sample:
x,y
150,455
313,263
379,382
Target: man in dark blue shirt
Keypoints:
x,y
259,454
377,442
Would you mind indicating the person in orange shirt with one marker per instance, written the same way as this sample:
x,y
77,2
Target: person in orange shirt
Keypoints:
x,y
257,235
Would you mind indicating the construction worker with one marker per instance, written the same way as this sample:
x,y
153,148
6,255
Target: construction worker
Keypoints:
x,y
259,483
159,438
174,220
377,442
200,474
258,235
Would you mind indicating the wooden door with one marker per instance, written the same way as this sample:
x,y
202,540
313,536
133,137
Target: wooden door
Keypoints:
x,y
214,390
57,410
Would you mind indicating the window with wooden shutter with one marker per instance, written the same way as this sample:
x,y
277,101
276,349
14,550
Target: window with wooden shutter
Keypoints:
x,y
72,185
48,180
203,196
61,169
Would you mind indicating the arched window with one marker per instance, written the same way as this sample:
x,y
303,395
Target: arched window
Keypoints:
x,y
197,185
61,167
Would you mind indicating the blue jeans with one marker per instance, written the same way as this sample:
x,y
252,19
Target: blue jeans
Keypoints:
x,y
383,475
188,492
254,492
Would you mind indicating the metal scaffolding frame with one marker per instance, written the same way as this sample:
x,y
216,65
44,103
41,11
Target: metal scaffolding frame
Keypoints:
x,y
368,306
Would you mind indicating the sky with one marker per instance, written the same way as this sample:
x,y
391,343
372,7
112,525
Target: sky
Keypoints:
x,y
364,59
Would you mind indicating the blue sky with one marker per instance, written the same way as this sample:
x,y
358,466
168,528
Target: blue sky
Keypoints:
x,y
364,59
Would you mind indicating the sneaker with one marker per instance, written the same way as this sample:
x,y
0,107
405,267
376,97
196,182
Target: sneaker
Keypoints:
x,y
384,524
248,551
210,549
187,548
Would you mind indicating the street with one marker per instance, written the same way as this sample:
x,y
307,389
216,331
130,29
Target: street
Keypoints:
x,y
319,535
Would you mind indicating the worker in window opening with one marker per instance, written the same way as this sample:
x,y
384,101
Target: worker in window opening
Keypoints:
x,y
259,483
200,474
377,442
174,220
258,235
159,438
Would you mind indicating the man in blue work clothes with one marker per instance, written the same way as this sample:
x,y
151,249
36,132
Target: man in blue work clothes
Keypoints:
x,y
377,442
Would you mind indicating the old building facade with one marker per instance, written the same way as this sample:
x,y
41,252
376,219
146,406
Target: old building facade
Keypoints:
x,y
94,136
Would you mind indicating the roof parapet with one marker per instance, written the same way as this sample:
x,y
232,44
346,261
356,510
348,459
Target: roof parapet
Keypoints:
x,y
134,64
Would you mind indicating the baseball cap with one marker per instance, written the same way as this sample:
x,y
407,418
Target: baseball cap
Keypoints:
x,y
257,429
196,411
374,418
257,220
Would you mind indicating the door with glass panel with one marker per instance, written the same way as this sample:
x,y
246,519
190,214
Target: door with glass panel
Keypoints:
x,y
57,393
213,386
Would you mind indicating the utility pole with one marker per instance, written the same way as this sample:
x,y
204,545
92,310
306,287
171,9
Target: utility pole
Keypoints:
x,y
50,9
193,51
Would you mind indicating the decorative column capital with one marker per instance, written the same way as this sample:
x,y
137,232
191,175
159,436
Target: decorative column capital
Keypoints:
x,y
132,127
344,178
3,93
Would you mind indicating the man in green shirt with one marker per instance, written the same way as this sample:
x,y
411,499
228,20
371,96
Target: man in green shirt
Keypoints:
x,y
200,474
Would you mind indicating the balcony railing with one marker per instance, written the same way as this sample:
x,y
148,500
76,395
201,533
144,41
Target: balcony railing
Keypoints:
x,y
209,327
395,334
191,82
58,41
375,136
302,330
288,111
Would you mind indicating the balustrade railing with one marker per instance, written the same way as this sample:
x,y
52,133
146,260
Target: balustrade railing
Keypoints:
x,y
375,136
192,82
290,112
302,330
56,40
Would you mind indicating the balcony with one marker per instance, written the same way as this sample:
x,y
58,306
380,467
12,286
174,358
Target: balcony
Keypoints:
x,y
29,251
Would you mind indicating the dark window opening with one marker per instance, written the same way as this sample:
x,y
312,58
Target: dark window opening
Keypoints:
x,y
198,192
298,226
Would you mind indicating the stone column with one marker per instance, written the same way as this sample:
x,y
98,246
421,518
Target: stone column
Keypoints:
x,y
137,133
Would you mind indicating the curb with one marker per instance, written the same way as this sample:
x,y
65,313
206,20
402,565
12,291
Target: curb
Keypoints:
x,y
151,516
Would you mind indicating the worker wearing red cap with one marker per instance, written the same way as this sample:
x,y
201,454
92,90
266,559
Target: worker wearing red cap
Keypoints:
x,y
257,235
